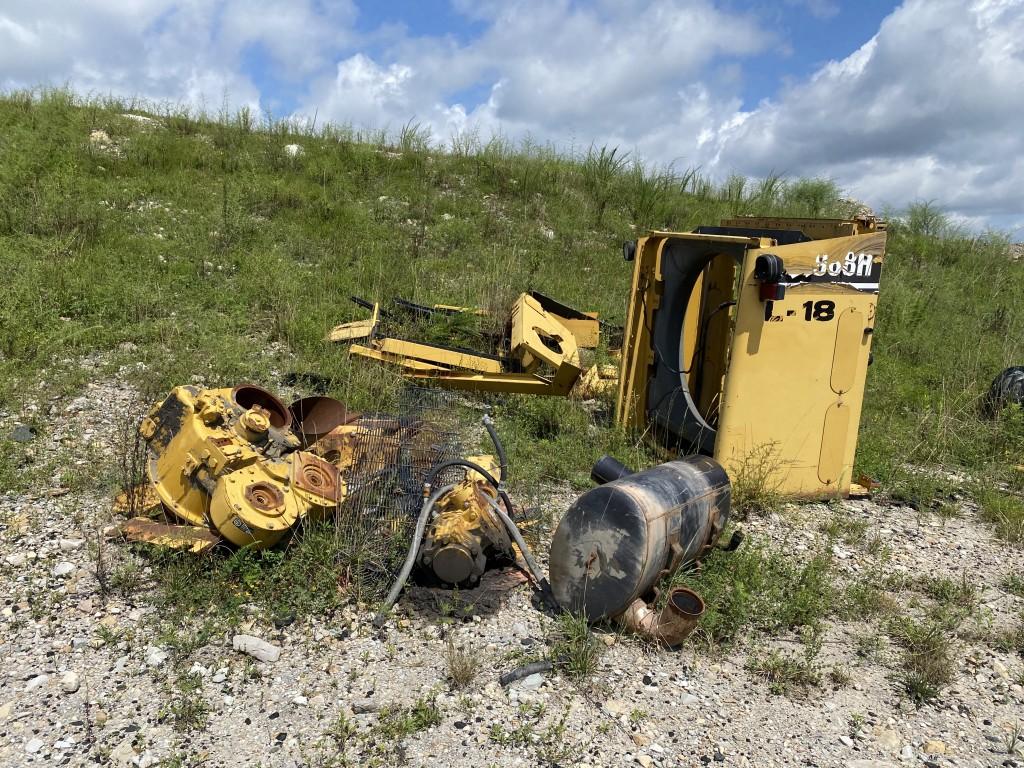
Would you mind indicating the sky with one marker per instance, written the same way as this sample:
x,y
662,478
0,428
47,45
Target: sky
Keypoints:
x,y
897,102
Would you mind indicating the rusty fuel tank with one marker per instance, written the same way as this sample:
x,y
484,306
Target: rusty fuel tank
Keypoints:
x,y
619,539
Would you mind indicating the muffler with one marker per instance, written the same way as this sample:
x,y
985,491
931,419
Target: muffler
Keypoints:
x,y
620,539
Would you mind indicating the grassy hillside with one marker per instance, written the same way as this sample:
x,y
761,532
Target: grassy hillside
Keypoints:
x,y
203,248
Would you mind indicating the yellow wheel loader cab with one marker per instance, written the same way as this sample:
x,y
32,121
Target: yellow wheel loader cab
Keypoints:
x,y
750,342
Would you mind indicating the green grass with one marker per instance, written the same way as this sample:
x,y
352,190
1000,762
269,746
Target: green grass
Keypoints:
x,y
215,254
396,723
788,673
312,576
462,664
758,590
218,256
199,248
927,663
574,650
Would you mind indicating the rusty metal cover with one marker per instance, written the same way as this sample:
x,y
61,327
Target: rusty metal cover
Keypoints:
x,y
186,537
313,474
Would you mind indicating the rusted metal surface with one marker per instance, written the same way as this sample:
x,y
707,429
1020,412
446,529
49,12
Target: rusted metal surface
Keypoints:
x,y
314,417
313,474
672,624
184,537
264,496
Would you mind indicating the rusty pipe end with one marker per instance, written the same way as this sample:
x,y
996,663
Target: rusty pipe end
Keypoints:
x,y
672,625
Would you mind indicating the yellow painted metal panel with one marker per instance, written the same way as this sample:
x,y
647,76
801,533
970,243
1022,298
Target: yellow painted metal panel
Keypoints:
x,y
360,329
832,458
636,339
409,364
849,337
778,387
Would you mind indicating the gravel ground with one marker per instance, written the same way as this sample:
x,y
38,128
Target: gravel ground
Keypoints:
x,y
85,679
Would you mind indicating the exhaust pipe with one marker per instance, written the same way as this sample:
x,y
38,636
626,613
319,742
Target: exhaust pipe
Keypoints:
x,y
674,624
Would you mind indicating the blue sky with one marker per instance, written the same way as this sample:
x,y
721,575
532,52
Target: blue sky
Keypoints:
x,y
807,40
897,102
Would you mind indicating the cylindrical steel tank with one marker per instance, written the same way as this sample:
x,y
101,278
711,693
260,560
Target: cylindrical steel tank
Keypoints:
x,y
618,539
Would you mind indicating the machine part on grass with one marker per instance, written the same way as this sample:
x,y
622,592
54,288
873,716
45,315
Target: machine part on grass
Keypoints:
x,y
598,380
197,437
360,329
468,528
1007,389
750,342
383,461
238,465
228,459
669,626
464,534
191,538
542,354
584,326
619,539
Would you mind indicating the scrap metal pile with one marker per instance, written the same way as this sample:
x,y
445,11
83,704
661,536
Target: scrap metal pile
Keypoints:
x,y
745,340
236,466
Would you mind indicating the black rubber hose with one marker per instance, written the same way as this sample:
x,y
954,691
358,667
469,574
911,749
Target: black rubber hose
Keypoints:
x,y
525,671
513,530
467,464
498,448
410,558
608,469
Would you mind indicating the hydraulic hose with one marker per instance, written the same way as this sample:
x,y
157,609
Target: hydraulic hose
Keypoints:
x,y
498,448
510,526
466,463
525,671
517,537
414,550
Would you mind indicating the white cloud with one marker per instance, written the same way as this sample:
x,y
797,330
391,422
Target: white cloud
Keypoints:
x,y
631,73
166,50
930,108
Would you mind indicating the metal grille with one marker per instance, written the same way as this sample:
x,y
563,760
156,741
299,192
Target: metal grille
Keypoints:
x,y
391,457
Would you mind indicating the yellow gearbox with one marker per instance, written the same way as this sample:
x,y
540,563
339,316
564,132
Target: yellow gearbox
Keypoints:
x,y
227,458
